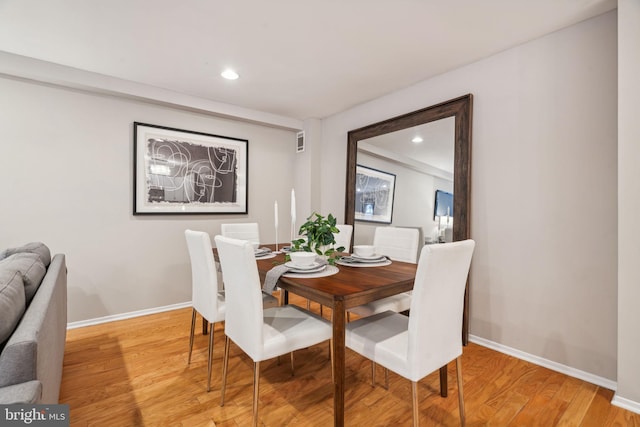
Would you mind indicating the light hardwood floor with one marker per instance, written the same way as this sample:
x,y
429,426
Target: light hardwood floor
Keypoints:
x,y
134,373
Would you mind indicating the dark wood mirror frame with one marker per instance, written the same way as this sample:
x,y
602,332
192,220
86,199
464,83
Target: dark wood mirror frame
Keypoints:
x,y
461,109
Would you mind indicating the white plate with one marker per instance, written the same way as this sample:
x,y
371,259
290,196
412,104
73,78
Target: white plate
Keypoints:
x,y
310,270
373,258
302,268
365,264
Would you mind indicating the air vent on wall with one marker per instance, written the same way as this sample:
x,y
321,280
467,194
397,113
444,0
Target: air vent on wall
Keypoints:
x,y
300,142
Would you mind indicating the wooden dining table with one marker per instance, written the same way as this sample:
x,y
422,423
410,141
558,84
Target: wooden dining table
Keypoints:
x,y
350,287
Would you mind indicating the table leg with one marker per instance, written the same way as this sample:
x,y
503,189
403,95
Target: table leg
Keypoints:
x,y
338,362
444,384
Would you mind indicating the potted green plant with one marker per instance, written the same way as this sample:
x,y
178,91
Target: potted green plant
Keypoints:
x,y
318,236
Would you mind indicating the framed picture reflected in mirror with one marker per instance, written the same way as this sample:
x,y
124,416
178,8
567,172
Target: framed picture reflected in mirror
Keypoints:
x,y
374,195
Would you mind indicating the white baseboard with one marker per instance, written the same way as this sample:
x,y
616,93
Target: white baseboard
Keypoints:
x,y
122,316
624,403
554,366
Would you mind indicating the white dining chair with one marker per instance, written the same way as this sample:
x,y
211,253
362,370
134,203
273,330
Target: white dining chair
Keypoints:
x,y
261,333
206,298
399,244
343,238
430,337
244,231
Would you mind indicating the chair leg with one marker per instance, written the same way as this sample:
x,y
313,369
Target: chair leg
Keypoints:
x,y
460,398
292,368
281,298
414,390
210,357
331,348
308,304
225,364
256,388
321,315
204,326
193,328
444,382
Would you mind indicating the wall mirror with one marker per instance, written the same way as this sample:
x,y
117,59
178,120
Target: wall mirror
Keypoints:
x,y
440,161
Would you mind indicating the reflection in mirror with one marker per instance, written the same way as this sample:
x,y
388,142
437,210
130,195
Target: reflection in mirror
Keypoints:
x,y
420,172
421,159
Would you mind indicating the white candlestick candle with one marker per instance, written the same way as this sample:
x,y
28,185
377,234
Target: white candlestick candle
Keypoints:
x,y
293,206
293,214
275,214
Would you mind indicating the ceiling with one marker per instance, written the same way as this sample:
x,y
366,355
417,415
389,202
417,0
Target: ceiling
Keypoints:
x,y
296,58
435,149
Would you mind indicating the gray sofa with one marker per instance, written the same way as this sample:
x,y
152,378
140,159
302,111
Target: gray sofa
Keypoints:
x,y
33,324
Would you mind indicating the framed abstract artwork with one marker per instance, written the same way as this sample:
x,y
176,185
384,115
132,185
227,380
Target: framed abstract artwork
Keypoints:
x,y
374,195
184,172
443,204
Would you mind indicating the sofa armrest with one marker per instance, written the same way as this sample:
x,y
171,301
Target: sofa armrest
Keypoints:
x,y
24,393
35,351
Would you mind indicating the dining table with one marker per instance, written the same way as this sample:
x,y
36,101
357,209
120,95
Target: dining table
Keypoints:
x,y
349,287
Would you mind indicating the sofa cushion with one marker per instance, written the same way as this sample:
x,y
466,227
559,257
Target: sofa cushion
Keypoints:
x,y
30,267
22,393
34,247
12,302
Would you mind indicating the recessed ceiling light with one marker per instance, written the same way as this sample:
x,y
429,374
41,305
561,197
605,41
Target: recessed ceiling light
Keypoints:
x,y
229,74
417,140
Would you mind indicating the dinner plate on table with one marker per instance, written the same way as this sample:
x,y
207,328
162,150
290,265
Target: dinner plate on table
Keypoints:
x,y
350,261
263,253
372,259
313,268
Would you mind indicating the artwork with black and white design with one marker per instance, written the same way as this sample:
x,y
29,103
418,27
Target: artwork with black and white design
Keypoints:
x,y
374,195
180,171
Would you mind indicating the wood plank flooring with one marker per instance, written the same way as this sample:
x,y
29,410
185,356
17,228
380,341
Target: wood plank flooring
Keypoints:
x,y
134,373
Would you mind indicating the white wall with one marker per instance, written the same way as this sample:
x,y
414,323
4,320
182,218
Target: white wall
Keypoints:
x,y
628,392
543,208
66,168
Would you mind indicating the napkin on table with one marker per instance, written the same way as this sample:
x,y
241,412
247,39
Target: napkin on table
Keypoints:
x,y
274,274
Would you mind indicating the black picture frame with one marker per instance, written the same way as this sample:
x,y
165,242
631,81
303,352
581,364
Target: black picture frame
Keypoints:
x,y
177,172
374,193
443,204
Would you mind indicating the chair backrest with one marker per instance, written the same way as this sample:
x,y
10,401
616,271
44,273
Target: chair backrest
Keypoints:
x,y
242,231
343,238
244,316
435,320
399,244
204,278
